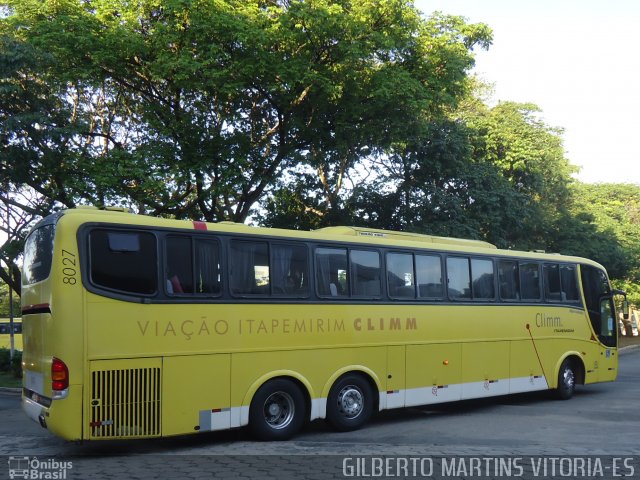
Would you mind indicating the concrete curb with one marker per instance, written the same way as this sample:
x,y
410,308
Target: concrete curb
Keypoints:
x,y
10,391
627,349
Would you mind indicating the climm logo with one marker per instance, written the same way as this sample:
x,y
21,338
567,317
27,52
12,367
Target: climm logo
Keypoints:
x,y
360,324
546,320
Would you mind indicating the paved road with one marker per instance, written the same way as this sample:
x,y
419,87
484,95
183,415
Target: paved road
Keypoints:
x,y
600,422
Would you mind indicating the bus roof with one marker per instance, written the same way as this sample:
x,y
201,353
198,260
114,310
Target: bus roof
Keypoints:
x,y
350,234
407,236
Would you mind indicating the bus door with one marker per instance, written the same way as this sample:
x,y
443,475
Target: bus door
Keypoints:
x,y
599,303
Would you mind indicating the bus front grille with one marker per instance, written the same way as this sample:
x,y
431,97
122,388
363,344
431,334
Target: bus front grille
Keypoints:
x,y
125,403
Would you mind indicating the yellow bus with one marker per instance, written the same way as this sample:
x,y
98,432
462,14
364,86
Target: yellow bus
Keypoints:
x,y
142,327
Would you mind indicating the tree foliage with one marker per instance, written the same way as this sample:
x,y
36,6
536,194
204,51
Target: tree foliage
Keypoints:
x,y
298,114
611,213
193,109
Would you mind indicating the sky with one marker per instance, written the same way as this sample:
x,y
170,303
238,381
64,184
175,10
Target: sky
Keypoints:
x,y
578,61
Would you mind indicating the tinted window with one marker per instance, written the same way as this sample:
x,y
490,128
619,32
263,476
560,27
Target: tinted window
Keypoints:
x,y
595,284
482,279
331,272
529,281
38,253
458,279
365,273
508,280
193,266
124,261
552,288
179,273
400,276
290,270
429,276
250,273
569,283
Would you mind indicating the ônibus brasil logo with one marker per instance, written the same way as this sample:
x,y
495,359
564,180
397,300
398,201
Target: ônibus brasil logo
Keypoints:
x,y
32,468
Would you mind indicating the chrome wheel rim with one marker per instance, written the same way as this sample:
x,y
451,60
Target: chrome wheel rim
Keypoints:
x,y
279,410
350,401
568,378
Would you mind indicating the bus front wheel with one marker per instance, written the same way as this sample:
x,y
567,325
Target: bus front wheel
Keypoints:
x,y
350,403
277,410
566,380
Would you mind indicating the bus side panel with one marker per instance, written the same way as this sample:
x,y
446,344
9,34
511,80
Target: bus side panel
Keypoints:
x,y
434,373
395,396
609,364
64,417
196,393
485,369
525,368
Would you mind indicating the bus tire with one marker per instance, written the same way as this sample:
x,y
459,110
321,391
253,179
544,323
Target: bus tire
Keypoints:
x,y
566,380
277,410
350,403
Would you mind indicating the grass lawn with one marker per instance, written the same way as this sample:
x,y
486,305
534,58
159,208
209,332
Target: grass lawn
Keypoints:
x,y
8,380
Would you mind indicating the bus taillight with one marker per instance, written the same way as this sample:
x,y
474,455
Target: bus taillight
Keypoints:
x,y
59,378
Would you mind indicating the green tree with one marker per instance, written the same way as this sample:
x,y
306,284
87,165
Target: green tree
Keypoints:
x,y
4,302
195,109
612,214
477,172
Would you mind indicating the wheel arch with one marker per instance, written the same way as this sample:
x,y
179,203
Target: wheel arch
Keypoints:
x,y
360,370
578,364
299,380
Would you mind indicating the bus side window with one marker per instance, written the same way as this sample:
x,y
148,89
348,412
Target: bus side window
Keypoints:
x,y
458,278
331,272
250,273
429,276
552,288
290,268
508,280
482,279
124,261
208,278
569,283
179,273
400,275
186,255
365,273
529,281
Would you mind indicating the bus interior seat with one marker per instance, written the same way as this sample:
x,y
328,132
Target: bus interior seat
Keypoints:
x,y
176,285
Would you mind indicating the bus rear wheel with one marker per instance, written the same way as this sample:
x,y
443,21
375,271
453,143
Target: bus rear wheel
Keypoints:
x,y
277,410
350,403
566,380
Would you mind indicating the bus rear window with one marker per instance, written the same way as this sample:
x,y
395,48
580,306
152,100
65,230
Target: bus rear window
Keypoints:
x,y
124,261
38,253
